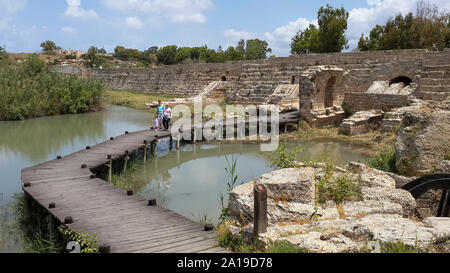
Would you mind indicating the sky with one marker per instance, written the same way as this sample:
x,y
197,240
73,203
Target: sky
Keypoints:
x,y
140,24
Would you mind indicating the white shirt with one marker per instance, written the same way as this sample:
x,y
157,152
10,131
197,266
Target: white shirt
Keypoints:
x,y
168,113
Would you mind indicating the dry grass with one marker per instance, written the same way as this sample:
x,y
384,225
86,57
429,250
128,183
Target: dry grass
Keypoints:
x,y
283,198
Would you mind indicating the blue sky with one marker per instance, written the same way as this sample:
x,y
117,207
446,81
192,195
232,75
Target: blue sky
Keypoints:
x,y
78,24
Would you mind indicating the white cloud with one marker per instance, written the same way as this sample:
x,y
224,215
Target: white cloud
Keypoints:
x,y
280,38
175,11
11,7
69,30
134,22
235,35
75,10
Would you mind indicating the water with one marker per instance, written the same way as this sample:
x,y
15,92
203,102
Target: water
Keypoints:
x,y
188,181
29,142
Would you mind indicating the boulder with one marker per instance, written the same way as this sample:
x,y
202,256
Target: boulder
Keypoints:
x,y
423,142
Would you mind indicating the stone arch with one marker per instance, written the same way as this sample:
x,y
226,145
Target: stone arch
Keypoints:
x,y
404,79
329,92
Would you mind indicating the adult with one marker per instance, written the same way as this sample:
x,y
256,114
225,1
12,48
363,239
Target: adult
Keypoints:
x,y
160,111
167,117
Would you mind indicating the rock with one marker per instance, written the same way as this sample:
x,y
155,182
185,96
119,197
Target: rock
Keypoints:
x,y
441,227
360,123
372,177
361,209
295,184
396,196
444,167
423,142
391,228
313,243
241,203
400,180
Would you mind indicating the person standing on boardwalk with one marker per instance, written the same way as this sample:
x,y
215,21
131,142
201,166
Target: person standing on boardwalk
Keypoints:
x,y
167,117
156,125
160,111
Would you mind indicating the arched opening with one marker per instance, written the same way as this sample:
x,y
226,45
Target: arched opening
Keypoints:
x,y
329,92
293,80
224,79
403,79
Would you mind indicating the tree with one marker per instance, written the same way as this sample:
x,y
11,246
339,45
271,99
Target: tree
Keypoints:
x,y
305,42
166,55
332,26
233,54
49,47
256,49
92,57
426,29
3,54
183,53
328,37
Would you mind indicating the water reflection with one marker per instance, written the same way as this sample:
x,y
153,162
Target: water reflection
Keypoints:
x,y
189,181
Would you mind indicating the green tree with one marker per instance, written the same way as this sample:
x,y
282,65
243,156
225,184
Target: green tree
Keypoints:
x,y
426,29
127,54
233,54
332,26
166,55
3,54
182,54
256,49
49,47
374,40
328,37
92,57
306,41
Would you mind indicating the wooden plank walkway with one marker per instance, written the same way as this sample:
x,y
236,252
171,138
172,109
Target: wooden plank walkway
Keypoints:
x,y
121,222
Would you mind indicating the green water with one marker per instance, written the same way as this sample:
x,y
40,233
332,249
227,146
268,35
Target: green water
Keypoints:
x,y
188,181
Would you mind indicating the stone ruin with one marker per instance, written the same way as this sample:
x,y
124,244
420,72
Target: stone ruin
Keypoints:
x,y
380,212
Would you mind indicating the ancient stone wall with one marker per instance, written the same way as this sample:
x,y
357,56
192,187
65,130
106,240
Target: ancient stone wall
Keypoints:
x,y
255,81
367,101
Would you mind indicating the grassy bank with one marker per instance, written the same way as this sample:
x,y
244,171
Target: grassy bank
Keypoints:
x,y
133,99
29,90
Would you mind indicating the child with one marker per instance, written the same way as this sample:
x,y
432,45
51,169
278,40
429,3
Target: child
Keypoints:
x,y
156,123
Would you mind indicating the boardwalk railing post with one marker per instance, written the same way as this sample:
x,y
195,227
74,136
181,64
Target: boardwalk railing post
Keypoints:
x,y
178,140
195,134
260,210
145,151
51,227
110,168
125,163
155,149
171,142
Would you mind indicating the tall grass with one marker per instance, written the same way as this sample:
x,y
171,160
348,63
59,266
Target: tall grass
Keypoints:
x,y
30,90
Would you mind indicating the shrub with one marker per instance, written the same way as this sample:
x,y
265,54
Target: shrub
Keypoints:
x,y
282,158
347,109
29,90
384,161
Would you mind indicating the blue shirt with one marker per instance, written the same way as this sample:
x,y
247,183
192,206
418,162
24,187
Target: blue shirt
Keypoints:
x,y
160,110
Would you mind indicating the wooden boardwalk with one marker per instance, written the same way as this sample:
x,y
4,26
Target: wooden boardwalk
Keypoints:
x,y
124,223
